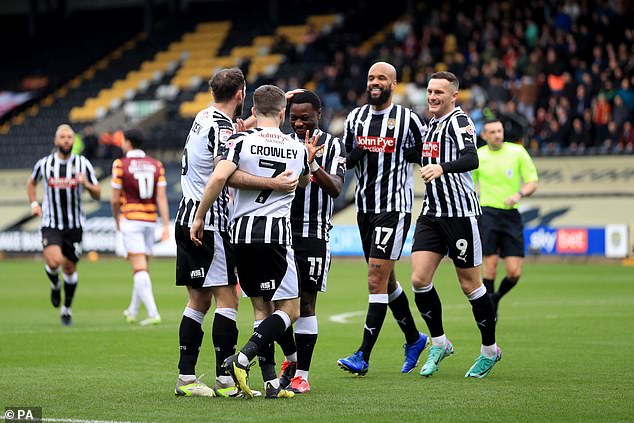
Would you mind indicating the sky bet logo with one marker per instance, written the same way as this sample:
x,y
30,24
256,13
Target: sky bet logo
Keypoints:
x,y
377,144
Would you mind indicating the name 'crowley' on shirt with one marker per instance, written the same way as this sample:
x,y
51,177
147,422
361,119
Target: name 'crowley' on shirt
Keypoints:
x,y
265,150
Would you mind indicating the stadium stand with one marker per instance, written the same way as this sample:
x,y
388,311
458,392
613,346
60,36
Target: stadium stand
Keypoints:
x,y
559,80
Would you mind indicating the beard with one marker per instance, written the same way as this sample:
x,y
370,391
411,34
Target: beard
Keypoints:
x,y
381,99
65,151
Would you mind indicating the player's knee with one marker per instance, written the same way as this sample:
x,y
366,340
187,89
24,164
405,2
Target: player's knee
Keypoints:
x,y
69,267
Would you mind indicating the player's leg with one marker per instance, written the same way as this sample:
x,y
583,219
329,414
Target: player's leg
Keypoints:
x,y
53,259
398,303
191,270
489,225
71,250
377,240
190,338
223,282
465,249
313,263
512,250
513,272
484,316
274,264
306,338
427,250
224,334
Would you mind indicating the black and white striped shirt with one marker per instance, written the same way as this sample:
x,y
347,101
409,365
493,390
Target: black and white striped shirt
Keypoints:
x,y
264,216
205,141
312,207
384,177
62,206
453,194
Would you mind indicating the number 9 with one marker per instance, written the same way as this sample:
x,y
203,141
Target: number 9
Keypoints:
x,y
462,245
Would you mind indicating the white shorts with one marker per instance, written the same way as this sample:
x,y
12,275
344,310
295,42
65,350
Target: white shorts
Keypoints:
x,y
138,236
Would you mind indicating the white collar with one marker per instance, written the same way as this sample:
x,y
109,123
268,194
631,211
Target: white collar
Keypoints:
x,y
135,154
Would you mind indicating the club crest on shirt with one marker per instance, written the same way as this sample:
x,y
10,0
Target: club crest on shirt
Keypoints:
x,y
391,123
509,173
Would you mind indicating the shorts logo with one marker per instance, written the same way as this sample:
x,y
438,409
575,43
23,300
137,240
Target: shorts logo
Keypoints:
x,y
268,285
45,241
431,149
391,123
377,144
197,273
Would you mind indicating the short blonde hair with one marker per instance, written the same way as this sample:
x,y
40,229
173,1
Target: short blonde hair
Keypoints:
x,y
64,126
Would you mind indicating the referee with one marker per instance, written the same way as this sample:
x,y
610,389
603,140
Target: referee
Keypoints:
x,y
506,174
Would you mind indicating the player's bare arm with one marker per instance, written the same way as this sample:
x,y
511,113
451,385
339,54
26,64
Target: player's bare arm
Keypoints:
x,y
93,189
36,209
115,205
161,202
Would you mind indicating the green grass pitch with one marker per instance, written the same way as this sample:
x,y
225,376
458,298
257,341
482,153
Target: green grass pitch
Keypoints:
x,y
567,333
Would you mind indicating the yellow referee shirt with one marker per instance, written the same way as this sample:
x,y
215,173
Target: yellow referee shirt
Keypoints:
x,y
501,173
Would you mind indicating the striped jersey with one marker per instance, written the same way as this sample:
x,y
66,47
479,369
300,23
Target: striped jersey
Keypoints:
x,y
384,178
312,207
137,176
453,194
62,206
205,141
264,216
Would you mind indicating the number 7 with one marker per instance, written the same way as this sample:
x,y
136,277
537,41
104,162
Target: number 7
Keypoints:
x,y
279,167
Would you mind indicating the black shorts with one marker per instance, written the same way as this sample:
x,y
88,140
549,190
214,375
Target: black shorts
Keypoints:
x,y
456,237
383,234
267,271
502,232
68,239
313,262
211,264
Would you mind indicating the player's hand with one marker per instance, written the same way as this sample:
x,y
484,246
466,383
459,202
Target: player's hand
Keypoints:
x,y
81,179
311,145
196,231
512,200
240,126
36,209
165,234
285,182
430,172
289,94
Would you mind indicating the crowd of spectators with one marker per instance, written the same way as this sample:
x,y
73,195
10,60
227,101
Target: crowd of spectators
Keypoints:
x,y
559,74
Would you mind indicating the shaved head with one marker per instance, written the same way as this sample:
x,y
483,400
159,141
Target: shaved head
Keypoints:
x,y
385,68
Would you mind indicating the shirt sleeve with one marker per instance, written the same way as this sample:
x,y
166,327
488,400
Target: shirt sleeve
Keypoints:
x,y
348,133
37,174
117,174
233,149
90,172
337,153
464,132
527,167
